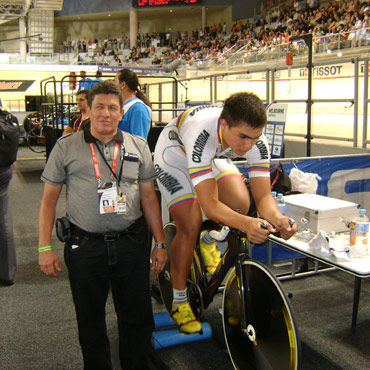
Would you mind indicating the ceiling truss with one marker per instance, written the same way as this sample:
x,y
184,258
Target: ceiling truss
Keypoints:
x,y
13,9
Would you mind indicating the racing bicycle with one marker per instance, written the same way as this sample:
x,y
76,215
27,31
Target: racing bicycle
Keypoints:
x,y
258,321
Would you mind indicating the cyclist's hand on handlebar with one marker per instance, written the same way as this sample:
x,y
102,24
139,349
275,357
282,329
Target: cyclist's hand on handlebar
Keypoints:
x,y
258,230
159,258
286,226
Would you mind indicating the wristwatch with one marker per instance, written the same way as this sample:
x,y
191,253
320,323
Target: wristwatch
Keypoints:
x,y
160,245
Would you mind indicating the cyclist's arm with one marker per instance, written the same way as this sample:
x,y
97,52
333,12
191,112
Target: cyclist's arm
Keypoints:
x,y
267,207
219,212
265,203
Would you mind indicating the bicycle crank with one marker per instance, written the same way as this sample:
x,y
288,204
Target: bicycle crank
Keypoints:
x,y
195,297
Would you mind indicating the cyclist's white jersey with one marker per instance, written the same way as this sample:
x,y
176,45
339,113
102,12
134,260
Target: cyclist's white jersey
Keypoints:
x,y
189,151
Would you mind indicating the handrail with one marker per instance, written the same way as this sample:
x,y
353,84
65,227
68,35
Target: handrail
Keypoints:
x,y
321,44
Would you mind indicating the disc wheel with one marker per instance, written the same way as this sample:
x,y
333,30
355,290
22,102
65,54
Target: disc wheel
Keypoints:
x,y
195,297
270,338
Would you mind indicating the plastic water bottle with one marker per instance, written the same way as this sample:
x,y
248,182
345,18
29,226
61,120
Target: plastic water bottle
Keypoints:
x,y
281,203
214,235
362,228
274,195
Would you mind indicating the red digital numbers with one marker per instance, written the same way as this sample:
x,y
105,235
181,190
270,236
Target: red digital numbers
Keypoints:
x,y
145,3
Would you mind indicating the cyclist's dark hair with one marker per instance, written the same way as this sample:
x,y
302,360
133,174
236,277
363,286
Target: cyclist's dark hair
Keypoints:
x,y
132,81
244,107
105,87
84,92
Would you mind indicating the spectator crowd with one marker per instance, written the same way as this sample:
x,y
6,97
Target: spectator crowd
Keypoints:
x,y
277,22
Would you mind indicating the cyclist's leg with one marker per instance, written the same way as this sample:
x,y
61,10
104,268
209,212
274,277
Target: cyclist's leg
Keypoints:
x,y
231,187
232,192
188,219
179,194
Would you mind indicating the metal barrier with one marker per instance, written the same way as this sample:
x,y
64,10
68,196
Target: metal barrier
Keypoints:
x,y
339,100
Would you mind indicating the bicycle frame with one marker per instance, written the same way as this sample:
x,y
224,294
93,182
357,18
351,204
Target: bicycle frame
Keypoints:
x,y
236,253
258,322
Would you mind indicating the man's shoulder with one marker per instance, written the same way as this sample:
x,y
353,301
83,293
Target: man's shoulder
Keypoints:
x,y
138,140
205,111
141,108
70,139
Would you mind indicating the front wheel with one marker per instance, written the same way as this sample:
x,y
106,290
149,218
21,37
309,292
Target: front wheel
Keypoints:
x,y
269,339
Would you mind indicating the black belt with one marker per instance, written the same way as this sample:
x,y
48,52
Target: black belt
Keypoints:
x,y
112,236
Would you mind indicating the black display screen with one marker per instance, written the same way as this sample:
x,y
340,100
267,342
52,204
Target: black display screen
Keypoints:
x,y
153,3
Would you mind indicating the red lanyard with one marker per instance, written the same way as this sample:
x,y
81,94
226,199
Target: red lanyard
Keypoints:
x,y
96,164
79,126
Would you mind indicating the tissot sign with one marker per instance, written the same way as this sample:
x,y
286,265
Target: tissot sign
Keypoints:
x,y
15,85
333,70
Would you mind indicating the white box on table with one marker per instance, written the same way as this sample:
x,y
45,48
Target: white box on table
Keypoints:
x,y
322,213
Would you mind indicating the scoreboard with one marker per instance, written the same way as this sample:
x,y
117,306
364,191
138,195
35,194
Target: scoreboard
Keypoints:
x,y
155,3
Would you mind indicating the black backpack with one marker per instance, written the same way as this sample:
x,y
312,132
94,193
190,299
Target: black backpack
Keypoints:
x,y
9,138
280,182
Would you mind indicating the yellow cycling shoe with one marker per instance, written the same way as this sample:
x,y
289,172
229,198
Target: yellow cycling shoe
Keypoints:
x,y
211,255
183,316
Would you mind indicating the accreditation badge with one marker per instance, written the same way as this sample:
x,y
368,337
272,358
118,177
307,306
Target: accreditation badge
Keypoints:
x,y
107,194
121,204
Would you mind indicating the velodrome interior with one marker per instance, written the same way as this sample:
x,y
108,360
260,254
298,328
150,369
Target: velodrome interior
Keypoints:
x,y
38,326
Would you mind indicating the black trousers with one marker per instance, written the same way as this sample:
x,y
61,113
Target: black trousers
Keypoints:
x,y
8,259
123,265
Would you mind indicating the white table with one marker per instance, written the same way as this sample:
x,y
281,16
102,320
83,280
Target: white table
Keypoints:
x,y
358,267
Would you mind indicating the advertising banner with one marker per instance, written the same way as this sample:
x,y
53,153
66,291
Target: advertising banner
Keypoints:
x,y
274,130
343,177
15,85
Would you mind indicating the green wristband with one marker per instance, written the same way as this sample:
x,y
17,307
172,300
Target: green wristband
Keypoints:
x,y
46,248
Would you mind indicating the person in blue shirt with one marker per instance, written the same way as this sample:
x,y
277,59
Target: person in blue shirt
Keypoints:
x,y
98,79
137,107
84,82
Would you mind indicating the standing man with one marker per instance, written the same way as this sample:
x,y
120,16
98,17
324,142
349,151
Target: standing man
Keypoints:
x,y
8,153
82,120
84,82
98,79
187,152
137,107
110,199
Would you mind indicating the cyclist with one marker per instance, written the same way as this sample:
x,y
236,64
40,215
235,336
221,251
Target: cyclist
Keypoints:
x,y
195,173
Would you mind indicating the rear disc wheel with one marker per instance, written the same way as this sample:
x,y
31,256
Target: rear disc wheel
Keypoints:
x,y
269,339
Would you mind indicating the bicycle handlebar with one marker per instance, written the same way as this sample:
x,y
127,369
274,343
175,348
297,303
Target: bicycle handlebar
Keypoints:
x,y
222,234
264,225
